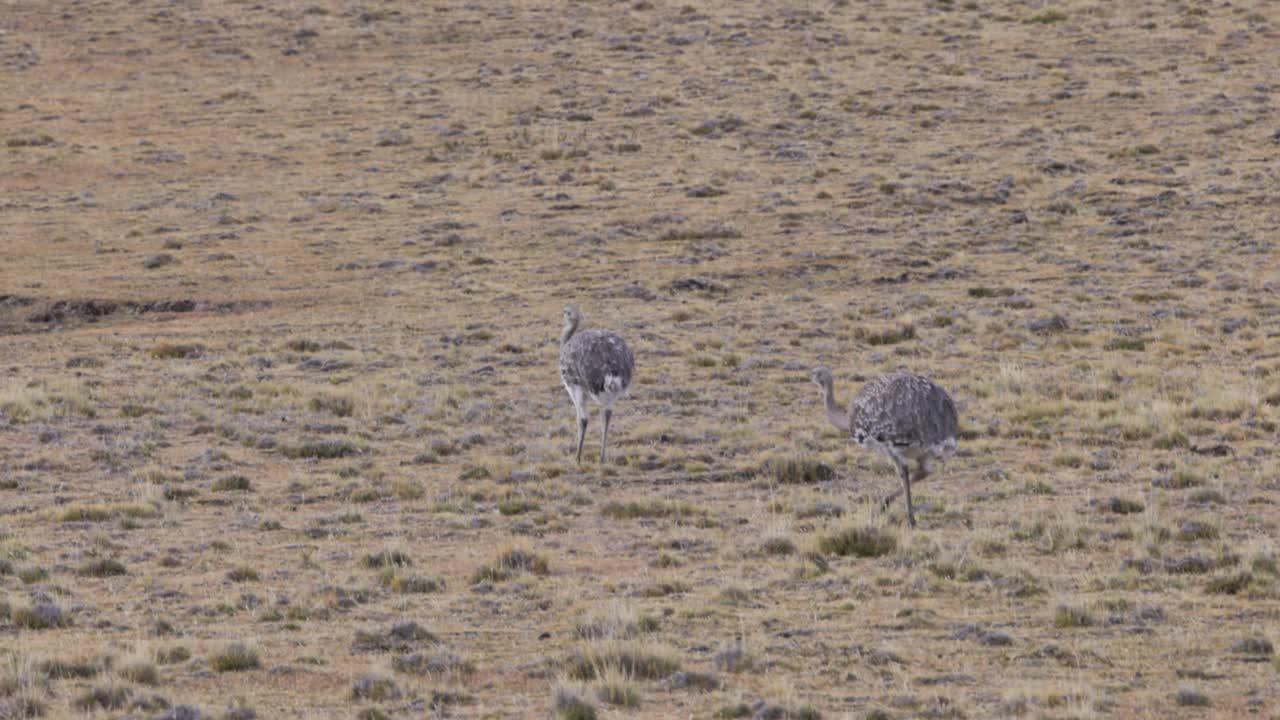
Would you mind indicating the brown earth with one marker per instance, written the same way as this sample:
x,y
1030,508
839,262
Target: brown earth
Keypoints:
x,y
279,293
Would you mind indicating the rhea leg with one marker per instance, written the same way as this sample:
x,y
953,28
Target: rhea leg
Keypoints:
x,y
580,408
923,469
906,486
904,472
604,438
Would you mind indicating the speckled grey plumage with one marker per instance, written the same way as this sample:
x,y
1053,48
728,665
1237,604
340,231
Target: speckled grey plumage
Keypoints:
x,y
905,411
592,359
595,364
904,416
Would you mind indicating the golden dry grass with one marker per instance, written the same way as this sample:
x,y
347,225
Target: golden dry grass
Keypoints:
x,y
278,369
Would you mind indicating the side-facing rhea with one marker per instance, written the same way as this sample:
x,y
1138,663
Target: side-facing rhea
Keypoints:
x,y
906,417
595,364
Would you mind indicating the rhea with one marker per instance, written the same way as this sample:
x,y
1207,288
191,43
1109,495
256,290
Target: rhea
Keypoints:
x,y
595,364
905,417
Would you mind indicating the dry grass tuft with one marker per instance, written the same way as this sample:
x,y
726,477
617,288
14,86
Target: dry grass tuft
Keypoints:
x,y
858,542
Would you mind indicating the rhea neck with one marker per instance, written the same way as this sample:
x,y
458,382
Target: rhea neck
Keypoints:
x,y
570,327
834,414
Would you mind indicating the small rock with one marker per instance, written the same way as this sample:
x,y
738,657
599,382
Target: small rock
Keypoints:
x,y
635,291
1253,646
157,261
1045,326
700,283
393,138
1230,326
522,476
704,191
1227,282
1190,565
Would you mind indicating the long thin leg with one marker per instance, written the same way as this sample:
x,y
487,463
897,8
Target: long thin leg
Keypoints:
x,y
604,438
899,464
904,472
906,488
922,471
888,499
580,408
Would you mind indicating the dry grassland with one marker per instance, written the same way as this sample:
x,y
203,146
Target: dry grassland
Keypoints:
x,y
281,433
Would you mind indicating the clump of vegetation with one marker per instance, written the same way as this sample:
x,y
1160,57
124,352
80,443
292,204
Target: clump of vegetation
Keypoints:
x,y
136,410
32,574
104,698
1192,530
236,657
303,345
509,563
1123,506
81,668
232,483
172,656
724,124
1048,17
1190,697
889,336
1259,645
39,616
169,351
636,659
663,589
366,495
1126,343
242,574
402,637
778,546
140,672
1229,584
616,688
1208,496
411,584
339,405
986,292
618,622
99,513
858,542
516,506
632,509
387,559
102,568
799,470
733,657
376,688
569,705
1068,616
320,449
407,490
1053,535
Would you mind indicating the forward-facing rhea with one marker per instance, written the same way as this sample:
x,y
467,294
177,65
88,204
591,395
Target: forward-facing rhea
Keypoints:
x,y
906,417
595,364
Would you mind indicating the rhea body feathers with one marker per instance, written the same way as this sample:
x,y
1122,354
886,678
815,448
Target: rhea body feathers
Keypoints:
x,y
904,416
595,365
